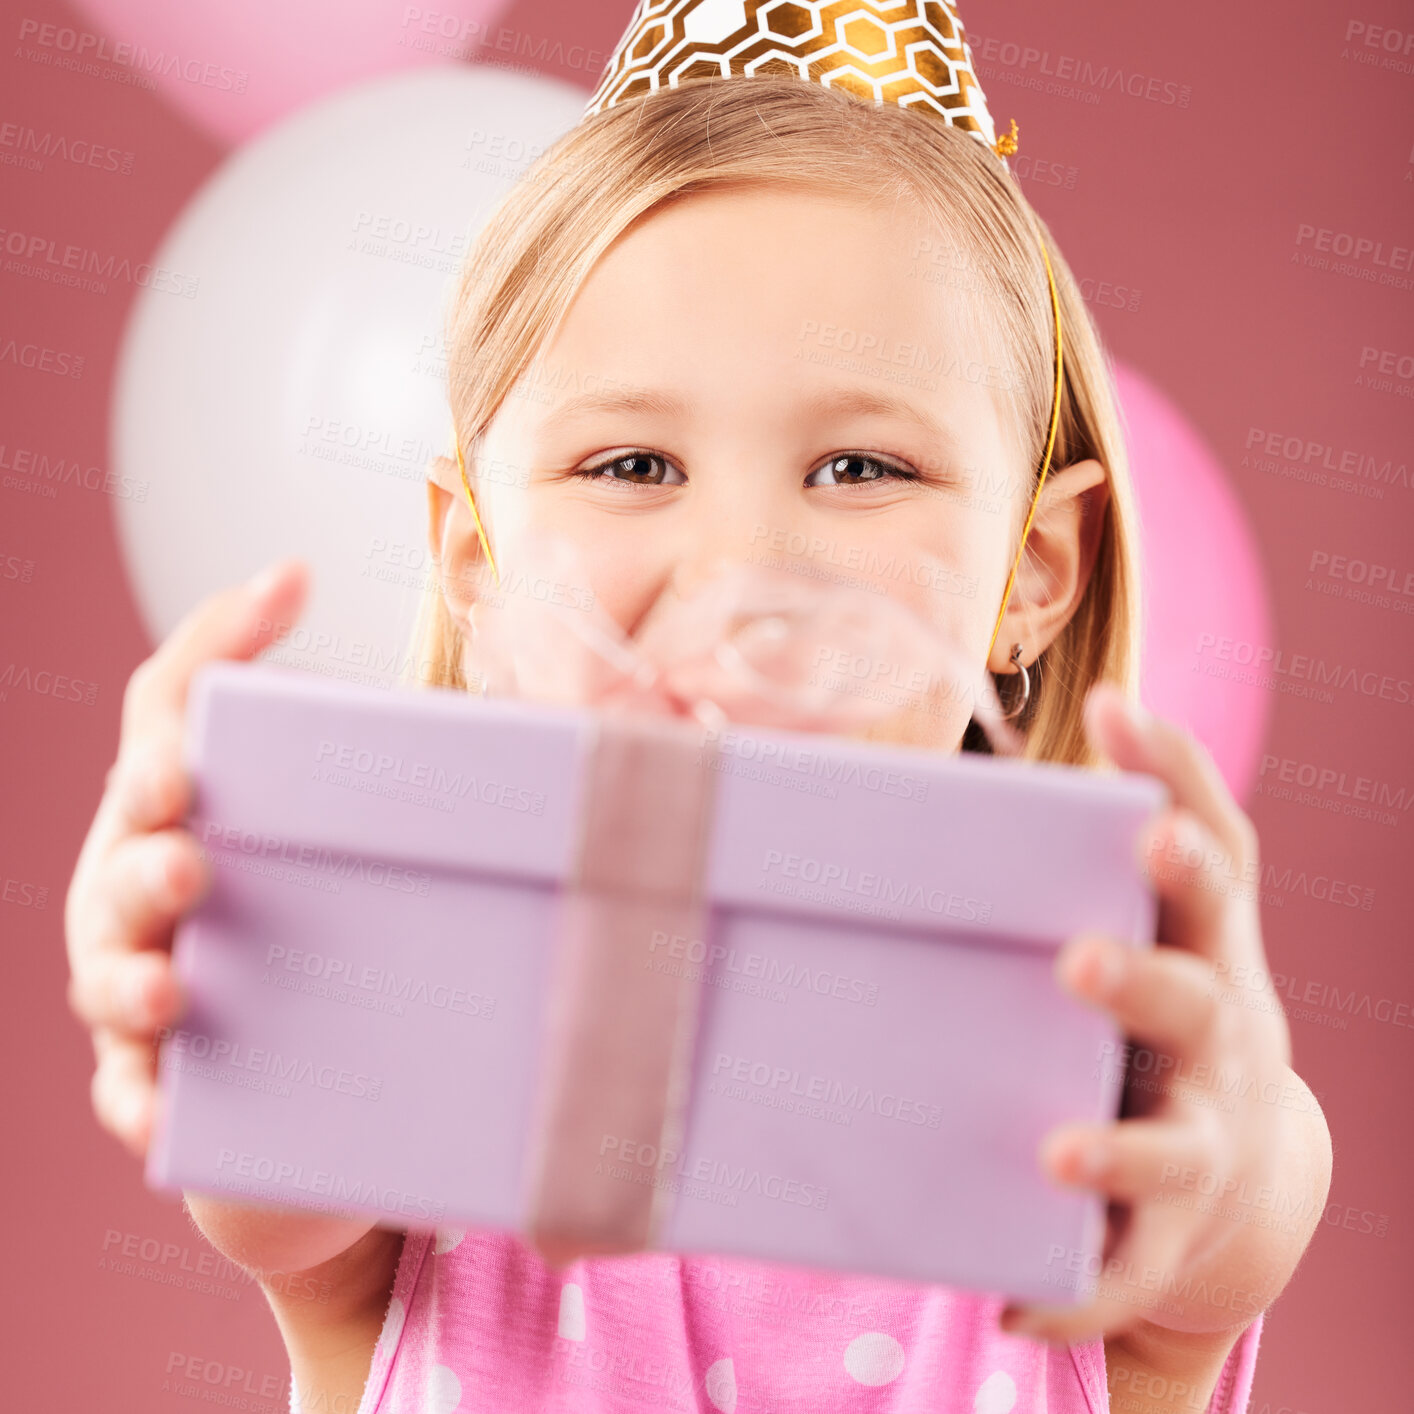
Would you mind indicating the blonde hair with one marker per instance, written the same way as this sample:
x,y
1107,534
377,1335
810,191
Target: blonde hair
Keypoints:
x,y
621,164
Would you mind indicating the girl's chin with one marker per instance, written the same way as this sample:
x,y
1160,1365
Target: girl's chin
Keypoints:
x,y
917,728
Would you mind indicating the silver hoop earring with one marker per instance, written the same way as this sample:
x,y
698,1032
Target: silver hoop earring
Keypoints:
x,y
1025,684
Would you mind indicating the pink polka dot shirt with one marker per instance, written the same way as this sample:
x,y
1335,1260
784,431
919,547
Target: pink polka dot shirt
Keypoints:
x,y
477,1321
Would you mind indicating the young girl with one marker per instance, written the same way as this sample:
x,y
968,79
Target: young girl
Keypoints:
x,y
745,322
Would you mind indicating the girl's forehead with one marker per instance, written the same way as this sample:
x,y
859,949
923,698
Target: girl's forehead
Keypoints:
x,y
773,273
799,304
792,239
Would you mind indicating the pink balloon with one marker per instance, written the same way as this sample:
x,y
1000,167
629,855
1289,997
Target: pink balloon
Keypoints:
x,y
1203,581
235,68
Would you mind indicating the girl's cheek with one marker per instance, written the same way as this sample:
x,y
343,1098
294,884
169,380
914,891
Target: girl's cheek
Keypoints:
x,y
624,577
951,584
618,560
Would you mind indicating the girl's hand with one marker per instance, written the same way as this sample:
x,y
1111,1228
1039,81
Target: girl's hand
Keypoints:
x,y
1218,1174
138,870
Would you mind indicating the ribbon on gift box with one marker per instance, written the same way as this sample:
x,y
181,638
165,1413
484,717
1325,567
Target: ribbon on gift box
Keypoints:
x,y
619,1035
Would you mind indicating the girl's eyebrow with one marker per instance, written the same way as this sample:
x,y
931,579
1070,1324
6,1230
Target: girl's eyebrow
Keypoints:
x,y
630,400
848,400
861,401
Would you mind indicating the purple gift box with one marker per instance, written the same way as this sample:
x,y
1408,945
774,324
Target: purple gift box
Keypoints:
x,y
618,983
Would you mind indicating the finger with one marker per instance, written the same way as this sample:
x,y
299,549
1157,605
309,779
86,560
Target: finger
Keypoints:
x,y
1136,741
236,623
1128,1287
1134,1160
144,790
1162,996
139,892
147,786
149,882
124,1088
131,996
1209,904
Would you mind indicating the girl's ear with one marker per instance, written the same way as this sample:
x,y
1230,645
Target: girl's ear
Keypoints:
x,y
1060,554
452,540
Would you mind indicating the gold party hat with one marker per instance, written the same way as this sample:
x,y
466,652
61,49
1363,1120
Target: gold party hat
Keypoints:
x,y
912,53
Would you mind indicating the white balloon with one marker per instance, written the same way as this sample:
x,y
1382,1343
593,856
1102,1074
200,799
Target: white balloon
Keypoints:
x,y
292,404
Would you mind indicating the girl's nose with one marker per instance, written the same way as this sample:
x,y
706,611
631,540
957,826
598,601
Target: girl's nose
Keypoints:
x,y
735,525
694,571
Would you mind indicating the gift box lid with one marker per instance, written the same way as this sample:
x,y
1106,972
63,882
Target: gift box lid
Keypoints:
x,y
803,824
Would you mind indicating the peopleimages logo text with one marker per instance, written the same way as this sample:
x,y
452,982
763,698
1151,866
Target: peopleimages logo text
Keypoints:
x,y
425,775
830,878
233,1165
1301,667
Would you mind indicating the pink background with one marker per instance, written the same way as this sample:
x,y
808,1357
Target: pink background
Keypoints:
x,y
1197,210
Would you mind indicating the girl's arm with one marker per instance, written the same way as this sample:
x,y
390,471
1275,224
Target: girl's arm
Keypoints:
x,y
331,1344
138,872
1219,1174
327,1282
271,1243
1157,1372
1247,1260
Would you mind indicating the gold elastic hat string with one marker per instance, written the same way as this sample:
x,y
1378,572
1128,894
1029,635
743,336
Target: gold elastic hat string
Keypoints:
x,y
471,501
1046,460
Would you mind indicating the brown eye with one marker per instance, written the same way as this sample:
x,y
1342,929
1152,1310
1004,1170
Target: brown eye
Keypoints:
x,y
636,469
857,469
